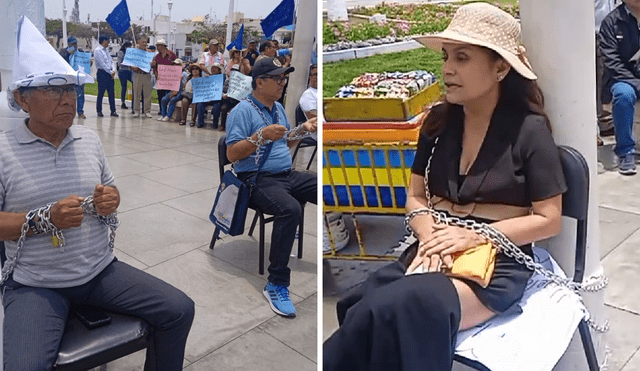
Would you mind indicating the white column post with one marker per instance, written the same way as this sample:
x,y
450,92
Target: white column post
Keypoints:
x,y
337,10
229,28
562,53
64,24
305,33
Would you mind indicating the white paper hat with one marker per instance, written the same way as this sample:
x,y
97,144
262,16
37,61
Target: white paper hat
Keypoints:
x,y
37,63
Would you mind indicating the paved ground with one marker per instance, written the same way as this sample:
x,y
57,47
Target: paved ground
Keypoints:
x,y
167,175
619,200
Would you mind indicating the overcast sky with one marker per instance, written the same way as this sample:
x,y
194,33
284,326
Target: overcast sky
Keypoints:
x,y
182,9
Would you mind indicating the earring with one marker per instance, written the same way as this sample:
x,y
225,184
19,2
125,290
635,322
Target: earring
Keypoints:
x,y
500,77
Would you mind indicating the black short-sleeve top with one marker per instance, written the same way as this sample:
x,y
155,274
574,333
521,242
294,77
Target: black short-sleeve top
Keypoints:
x,y
518,163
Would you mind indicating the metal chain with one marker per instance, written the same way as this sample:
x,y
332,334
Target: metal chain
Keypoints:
x,y
44,225
289,138
496,237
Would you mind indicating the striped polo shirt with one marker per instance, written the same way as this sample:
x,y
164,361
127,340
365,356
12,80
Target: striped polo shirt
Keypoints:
x,y
34,173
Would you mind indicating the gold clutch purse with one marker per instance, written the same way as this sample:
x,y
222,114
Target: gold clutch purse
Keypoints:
x,y
476,264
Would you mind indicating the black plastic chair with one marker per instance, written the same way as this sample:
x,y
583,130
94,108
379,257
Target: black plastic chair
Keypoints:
x,y
224,161
84,349
305,142
575,204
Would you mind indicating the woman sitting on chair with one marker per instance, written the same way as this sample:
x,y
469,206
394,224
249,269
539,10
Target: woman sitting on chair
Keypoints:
x,y
187,96
488,155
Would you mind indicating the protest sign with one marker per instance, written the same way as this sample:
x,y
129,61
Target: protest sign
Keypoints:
x,y
138,58
206,89
169,77
83,61
239,86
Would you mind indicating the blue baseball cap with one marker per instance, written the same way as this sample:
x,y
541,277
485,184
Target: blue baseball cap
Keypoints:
x,y
102,39
72,40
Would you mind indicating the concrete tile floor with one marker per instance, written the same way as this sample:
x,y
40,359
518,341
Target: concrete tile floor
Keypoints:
x,y
168,175
619,211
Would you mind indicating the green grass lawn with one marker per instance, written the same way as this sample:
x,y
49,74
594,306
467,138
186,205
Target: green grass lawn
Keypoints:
x,y
92,89
340,73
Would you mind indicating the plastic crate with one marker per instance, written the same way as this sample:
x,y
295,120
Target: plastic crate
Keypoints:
x,y
379,109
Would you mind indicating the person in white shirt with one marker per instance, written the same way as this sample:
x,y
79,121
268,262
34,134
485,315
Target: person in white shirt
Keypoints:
x,y
207,59
309,99
105,75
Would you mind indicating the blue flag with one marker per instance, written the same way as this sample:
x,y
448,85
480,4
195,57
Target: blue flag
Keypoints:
x,y
281,16
238,41
119,18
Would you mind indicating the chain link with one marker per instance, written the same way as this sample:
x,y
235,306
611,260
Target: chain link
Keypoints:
x,y
44,225
497,238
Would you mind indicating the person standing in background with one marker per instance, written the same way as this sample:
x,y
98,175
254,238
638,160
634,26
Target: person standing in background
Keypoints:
x,y
105,75
124,74
69,54
164,57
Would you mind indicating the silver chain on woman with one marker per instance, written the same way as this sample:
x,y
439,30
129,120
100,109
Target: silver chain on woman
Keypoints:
x,y
44,225
503,243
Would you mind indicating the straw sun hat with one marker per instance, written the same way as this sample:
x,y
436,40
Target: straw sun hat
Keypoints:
x,y
484,25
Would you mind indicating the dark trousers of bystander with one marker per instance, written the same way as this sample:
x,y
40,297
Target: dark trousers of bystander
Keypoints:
x,y
105,83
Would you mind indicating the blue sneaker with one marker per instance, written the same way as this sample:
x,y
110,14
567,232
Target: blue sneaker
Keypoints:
x,y
278,297
627,164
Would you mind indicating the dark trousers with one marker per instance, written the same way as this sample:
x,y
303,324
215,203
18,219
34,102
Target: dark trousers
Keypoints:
x,y
35,317
124,76
215,111
280,194
396,322
227,105
105,82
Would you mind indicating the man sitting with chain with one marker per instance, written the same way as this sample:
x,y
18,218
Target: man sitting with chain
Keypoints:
x,y
58,217
252,125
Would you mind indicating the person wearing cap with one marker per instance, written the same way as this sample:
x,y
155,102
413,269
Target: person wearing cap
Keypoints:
x,y
124,75
212,56
48,168
105,75
252,52
620,45
164,57
237,63
258,124
488,144
142,85
69,54
168,102
214,69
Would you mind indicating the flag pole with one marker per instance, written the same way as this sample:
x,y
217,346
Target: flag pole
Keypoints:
x,y
134,35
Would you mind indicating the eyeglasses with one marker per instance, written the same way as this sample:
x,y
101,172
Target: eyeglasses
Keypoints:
x,y
313,74
56,92
278,79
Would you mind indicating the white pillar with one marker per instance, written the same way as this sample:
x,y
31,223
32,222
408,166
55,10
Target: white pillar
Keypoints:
x,y
305,33
229,29
11,12
64,24
337,10
562,52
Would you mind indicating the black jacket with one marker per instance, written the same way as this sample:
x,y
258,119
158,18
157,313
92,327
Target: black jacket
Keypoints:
x,y
619,41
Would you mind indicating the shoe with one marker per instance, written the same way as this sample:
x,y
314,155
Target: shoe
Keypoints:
x,y
627,164
159,118
339,233
192,124
278,297
81,116
136,115
607,133
124,106
148,115
182,123
100,114
221,128
599,142
113,114
165,119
